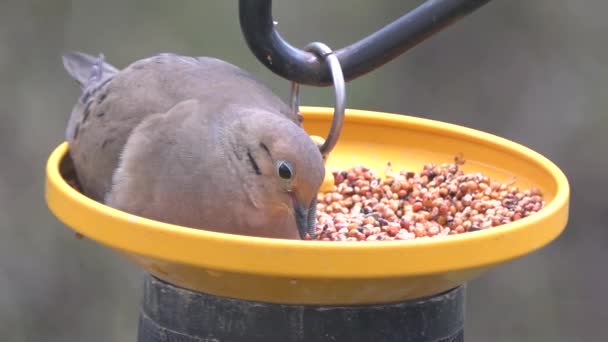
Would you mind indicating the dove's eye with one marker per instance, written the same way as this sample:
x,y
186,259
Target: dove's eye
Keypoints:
x,y
284,169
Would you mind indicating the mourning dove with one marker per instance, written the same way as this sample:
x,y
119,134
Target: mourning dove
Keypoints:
x,y
192,141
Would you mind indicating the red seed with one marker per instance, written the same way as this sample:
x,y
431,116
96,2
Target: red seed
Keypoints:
x,y
392,231
351,176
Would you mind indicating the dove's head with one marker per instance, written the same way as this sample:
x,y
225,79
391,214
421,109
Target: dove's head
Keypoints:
x,y
287,173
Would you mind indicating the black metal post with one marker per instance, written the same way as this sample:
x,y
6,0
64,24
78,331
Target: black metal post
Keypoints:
x,y
357,59
172,314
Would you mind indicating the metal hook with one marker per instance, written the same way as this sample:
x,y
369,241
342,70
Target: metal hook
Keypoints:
x,y
371,52
325,53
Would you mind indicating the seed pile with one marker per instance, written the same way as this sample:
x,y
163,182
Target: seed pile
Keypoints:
x,y
439,201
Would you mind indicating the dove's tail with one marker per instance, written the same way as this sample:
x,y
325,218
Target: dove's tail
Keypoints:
x,y
85,68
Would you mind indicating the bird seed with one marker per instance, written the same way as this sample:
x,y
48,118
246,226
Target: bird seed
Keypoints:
x,y
441,200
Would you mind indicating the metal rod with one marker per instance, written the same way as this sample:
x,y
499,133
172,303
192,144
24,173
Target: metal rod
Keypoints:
x,y
357,59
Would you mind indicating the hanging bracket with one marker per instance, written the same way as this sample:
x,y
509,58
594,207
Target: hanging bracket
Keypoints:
x,y
357,59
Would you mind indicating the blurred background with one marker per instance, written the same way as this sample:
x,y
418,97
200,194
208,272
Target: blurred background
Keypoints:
x,y
535,72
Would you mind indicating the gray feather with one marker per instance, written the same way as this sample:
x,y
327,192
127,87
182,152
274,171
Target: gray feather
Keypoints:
x,y
85,68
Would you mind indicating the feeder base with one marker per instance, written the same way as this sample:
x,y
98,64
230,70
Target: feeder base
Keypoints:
x,y
172,314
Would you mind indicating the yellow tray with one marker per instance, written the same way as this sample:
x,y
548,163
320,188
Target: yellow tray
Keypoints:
x,y
315,272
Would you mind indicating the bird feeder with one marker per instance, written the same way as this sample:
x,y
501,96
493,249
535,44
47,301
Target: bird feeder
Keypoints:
x,y
282,289
207,286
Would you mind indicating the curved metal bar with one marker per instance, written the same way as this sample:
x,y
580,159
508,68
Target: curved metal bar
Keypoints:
x,y
357,59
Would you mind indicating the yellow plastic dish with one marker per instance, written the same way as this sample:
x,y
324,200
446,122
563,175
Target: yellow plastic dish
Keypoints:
x,y
316,272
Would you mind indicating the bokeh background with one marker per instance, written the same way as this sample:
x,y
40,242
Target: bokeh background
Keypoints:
x,y
535,72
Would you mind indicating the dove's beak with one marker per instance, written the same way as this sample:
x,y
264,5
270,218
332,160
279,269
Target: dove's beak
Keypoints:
x,y
305,216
